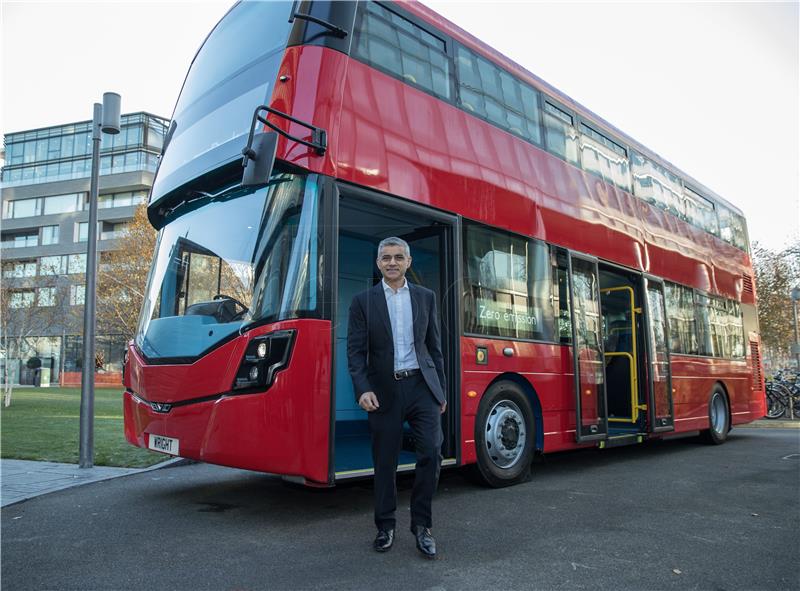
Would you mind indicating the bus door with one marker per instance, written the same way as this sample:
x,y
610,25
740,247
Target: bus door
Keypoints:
x,y
590,392
660,406
432,249
364,218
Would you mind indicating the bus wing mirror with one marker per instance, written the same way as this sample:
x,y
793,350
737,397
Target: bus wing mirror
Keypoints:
x,y
259,157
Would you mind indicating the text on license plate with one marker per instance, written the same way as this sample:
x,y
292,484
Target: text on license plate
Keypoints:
x,y
166,445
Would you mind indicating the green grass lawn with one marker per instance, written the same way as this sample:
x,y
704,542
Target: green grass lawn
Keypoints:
x,y
43,424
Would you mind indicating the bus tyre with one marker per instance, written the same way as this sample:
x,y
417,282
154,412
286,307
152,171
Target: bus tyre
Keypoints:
x,y
504,436
718,418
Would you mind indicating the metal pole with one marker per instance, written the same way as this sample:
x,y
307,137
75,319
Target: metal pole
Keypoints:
x,y
89,309
796,292
795,297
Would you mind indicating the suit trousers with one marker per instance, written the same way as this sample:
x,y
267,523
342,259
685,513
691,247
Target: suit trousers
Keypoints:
x,y
413,402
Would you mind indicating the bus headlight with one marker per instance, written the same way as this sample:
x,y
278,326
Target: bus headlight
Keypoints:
x,y
264,357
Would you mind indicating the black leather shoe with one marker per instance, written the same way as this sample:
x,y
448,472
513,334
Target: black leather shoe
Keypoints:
x,y
384,540
425,542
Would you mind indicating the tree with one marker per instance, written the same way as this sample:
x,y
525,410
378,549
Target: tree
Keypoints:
x,y
776,273
25,314
122,277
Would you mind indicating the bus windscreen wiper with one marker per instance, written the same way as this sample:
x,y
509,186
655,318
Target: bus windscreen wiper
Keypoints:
x,y
336,31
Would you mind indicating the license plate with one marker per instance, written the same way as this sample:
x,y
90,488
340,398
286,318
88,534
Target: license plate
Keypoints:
x,y
166,445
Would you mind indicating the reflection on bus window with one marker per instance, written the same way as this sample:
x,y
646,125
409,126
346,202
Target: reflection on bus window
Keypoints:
x,y
509,285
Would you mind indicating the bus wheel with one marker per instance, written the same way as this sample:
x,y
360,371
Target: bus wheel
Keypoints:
x,y
718,418
504,435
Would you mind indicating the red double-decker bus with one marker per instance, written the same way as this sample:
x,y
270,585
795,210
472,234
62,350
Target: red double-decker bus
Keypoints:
x,y
591,293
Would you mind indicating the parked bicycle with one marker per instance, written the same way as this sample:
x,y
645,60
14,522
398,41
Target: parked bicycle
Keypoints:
x,y
783,392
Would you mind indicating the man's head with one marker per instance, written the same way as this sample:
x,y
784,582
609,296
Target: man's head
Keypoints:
x,y
394,259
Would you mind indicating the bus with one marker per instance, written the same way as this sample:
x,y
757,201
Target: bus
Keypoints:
x,y
591,294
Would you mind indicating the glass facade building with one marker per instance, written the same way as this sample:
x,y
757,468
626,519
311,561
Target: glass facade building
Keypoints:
x,y
64,152
45,191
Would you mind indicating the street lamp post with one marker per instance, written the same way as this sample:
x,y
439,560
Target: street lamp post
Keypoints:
x,y
106,119
795,294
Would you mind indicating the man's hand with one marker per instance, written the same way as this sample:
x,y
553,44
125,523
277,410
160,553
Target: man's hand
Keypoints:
x,y
444,408
368,401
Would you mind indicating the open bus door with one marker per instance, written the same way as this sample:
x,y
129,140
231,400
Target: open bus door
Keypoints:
x,y
364,218
660,406
433,254
591,420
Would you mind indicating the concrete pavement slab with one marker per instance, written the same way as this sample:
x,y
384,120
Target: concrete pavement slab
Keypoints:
x,y
21,480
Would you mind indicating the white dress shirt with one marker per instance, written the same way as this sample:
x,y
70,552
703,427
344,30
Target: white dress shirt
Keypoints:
x,y
399,304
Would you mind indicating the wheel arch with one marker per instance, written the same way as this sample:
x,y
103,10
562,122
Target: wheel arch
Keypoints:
x,y
533,398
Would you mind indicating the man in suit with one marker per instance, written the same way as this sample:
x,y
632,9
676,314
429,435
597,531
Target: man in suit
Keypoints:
x,y
395,360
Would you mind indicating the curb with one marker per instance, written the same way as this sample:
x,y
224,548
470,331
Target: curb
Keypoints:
x,y
170,463
770,424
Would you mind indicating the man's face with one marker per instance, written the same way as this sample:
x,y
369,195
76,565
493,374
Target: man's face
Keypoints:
x,y
393,262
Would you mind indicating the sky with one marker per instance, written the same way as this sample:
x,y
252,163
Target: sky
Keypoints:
x,y
712,87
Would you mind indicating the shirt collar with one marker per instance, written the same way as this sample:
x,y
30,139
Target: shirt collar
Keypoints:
x,y
386,287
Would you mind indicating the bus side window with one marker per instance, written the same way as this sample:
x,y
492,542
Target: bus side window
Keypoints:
x,y
561,298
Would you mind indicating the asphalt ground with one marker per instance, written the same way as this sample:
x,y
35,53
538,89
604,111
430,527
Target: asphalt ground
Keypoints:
x,y
673,514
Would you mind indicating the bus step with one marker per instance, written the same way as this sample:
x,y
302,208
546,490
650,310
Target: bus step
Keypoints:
x,y
620,440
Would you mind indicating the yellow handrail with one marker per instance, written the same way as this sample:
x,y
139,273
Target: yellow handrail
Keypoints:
x,y
632,356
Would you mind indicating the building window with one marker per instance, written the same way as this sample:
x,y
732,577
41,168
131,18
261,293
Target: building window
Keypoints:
x,y
21,299
76,263
155,137
22,208
21,240
109,348
81,231
122,199
63,203
14,269
53,265
509,283
47,297
14,153
50,235
111,230
77,295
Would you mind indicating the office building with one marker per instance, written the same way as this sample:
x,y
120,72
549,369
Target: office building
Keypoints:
x,y
45,188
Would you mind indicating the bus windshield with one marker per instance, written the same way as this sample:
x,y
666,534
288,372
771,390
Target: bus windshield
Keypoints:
x,y
230,76
229,260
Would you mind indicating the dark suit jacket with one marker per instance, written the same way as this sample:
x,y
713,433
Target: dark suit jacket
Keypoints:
x,y
370,347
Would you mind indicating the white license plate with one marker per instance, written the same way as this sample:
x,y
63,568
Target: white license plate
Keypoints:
x,y
166,445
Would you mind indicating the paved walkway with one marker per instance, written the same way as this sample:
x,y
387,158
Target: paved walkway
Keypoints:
x,y
21,480
782,423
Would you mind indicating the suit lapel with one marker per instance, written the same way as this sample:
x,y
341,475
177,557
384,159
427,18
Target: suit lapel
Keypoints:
x,y
379,302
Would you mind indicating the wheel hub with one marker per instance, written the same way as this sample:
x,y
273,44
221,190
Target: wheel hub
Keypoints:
x,y
505,434
509,433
